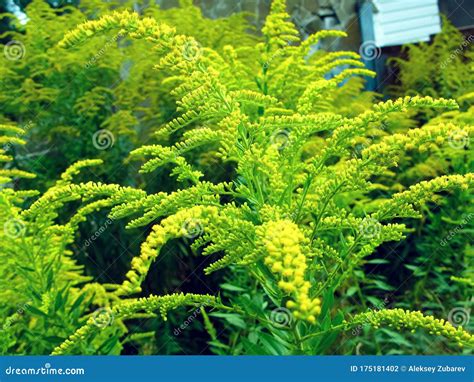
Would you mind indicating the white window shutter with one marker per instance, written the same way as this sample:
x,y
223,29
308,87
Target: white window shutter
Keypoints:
x,y
397,22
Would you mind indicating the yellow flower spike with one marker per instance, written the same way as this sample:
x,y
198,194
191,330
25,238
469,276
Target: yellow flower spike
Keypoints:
x,y
401,318
284,244
287,260
299,273
277,267
298,280
285,272
171,227
304,306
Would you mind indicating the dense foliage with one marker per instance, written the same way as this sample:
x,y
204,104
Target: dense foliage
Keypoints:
x,y
266,173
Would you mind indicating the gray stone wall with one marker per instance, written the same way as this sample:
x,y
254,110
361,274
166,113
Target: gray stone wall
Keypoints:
x,y
309,15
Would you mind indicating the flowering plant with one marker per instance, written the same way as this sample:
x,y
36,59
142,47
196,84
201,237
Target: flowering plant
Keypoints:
x,y
283,225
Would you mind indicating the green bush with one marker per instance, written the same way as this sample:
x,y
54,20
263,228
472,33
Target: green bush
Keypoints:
x,y
251,155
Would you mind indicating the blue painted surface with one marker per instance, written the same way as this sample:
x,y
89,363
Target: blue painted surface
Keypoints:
x,y
250,368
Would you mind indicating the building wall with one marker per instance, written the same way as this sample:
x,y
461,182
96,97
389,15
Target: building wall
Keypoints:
x,y
309,15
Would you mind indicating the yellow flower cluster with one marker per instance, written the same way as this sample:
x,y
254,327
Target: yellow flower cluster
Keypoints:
x,y
429,137
278,29
130,307
78,336
163,303
7,174
68,175
402,203
400,318
185,223
402,104
283,242
128,22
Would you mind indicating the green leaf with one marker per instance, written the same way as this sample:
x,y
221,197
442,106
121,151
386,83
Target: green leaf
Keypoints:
x,y
350,292
252,305
383,285
49,279
24,267
231,318
108,345
232,288
253,348
36,311
378,261
272,344
54,339
78,302
328,302
417,271
58,301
